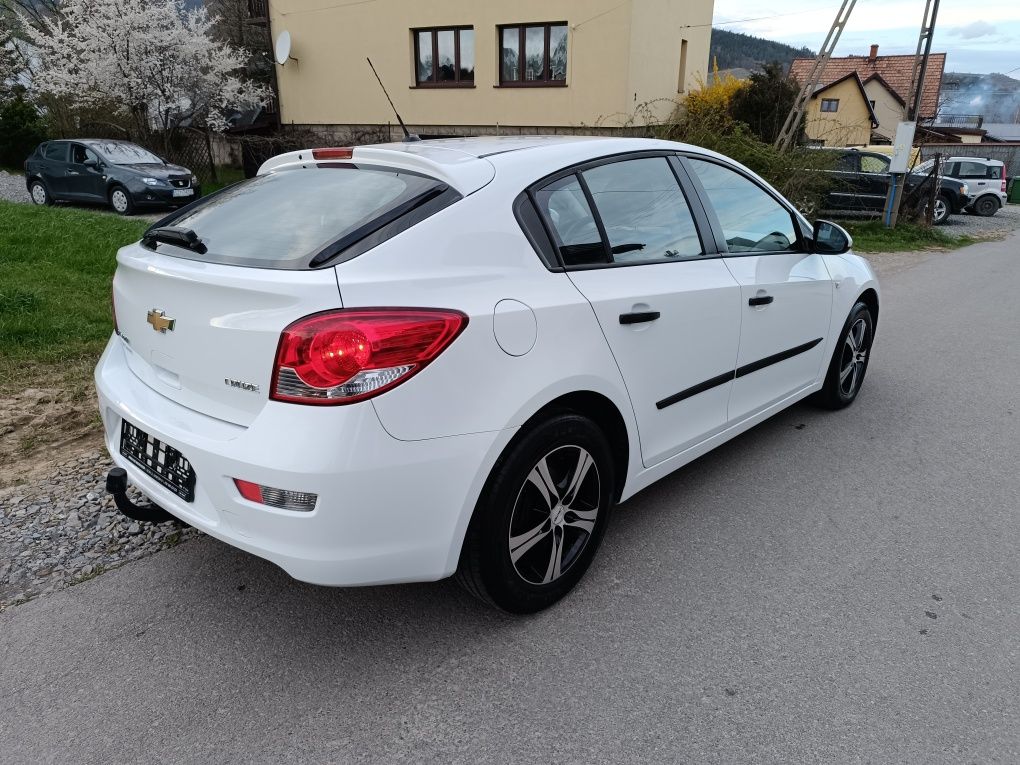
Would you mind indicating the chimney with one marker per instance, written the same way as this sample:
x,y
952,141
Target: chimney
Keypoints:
x,y
874,54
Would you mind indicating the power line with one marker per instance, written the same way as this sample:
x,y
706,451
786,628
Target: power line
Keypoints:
x,y
744,21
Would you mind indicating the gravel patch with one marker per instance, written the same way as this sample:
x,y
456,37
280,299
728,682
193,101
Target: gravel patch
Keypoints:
x,y
1003,223
12,188
65,529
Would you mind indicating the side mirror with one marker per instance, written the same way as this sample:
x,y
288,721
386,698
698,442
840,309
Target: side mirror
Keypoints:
x,y
830,239
94,164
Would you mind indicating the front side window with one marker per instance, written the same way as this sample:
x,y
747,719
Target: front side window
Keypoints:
x,y
444,57
643,211
81,154
752,220
534,54
830,104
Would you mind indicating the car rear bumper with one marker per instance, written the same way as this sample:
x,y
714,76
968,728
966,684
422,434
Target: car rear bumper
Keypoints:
x,y
387,511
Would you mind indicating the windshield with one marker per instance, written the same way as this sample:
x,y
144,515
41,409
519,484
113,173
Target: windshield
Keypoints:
x,y
119,153
282,219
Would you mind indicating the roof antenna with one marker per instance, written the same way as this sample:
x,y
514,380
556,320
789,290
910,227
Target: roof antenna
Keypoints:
x,y
408,137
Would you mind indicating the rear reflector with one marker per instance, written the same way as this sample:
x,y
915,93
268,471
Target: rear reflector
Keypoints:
x,y
341,153
281,498
339,357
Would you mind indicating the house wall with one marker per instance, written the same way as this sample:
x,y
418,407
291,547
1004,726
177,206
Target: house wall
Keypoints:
x,y
887,109
850,126
619,57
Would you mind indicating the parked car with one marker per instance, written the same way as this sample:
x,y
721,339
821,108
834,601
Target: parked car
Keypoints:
x,y
986,179
861,185
120,174
395,363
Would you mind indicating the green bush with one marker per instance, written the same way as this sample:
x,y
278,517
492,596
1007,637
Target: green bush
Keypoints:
x,y
21,130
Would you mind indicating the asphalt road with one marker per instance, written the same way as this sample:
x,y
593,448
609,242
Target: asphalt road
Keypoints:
x,y
827,588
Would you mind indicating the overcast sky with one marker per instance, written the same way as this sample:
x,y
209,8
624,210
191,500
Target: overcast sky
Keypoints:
x,y
978,35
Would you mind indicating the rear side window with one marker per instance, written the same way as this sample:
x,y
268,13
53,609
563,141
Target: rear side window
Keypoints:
x,y
57,152
643,211
752,220
973,170
995,172
577,235
305,218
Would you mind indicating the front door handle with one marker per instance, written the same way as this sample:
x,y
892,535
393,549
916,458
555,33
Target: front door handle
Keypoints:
x,y
639,318
760,300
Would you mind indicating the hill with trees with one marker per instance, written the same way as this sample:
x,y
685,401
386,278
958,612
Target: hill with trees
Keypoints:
x,y
735,49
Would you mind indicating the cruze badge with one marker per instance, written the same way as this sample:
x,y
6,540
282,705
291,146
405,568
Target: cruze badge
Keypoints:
x,y
160,322
241,384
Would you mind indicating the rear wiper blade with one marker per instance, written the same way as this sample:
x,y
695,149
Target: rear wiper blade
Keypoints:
x,y
176,235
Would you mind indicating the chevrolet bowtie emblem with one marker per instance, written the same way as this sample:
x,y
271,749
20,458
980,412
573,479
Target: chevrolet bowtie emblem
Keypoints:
x,y
159,321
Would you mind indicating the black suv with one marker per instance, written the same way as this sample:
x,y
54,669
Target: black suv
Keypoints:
x,y
861,184
117,173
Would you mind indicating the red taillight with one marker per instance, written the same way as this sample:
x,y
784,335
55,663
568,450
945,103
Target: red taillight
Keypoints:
x,y
339,357
1003,184
341,153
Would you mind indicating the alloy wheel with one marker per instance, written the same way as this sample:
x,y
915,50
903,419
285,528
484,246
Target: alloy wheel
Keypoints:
x,y
554,515
854,358
941,210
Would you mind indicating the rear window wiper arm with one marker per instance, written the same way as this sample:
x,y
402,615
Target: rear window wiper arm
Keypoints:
x,y
176,235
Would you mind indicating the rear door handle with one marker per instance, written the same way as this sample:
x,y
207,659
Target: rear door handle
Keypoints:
x,y
639,318
761,300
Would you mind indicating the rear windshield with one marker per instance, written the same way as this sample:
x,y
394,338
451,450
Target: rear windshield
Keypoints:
x,y
285,219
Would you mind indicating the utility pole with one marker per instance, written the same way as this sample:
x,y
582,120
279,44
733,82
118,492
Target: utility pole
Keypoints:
x,y
790,129
898,168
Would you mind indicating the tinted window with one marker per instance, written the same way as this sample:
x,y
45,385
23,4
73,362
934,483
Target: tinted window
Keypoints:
x,y
847,163
56,151
643,211
576,234
280,220
872,164
751,218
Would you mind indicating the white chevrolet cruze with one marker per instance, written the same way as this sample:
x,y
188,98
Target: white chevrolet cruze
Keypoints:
x,y
395,363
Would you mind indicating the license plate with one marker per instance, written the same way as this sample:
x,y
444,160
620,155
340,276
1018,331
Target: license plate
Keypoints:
x,y
158,460
183,192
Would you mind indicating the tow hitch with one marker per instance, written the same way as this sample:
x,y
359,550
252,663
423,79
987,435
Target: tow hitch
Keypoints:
x,y
116,484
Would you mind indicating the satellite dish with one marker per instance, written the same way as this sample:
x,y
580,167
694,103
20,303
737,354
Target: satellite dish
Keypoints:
x,y
282,49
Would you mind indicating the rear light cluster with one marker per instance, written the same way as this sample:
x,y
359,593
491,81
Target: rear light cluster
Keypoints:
x,y
340,357
283,499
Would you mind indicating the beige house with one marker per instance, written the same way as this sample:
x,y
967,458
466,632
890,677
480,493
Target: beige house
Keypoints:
x,y
840,114
457,67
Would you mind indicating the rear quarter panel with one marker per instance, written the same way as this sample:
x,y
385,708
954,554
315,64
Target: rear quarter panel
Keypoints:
x,y
470,257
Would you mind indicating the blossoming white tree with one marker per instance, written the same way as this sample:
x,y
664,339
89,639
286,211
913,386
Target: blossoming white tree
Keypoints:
x,y
152,59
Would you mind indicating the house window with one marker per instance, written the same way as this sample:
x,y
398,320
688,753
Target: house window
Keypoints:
x,y
681,83
444,57
830,104
535,54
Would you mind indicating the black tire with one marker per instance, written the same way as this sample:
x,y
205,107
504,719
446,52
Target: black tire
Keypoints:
x,y
122,205
39,193
986,207
943,210
839,390
513,506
